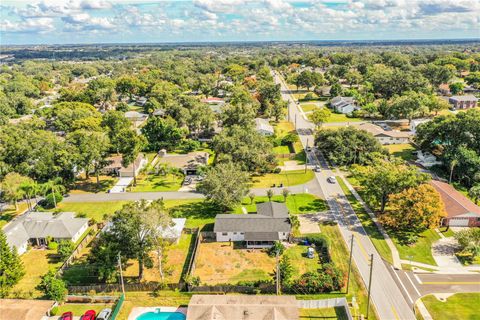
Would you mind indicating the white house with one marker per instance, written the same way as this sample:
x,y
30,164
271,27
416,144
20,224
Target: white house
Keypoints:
x,y
115,166
426,159
343,105
416,122
386,137
271,223
36,227
263,127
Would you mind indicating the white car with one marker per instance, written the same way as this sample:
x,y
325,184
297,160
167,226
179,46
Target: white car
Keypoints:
x,y
332,179
104,314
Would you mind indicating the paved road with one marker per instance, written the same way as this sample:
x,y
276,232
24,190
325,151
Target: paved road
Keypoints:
x,y
386,294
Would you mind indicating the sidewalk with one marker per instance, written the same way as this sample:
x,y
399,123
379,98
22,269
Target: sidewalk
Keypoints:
x,y
395,255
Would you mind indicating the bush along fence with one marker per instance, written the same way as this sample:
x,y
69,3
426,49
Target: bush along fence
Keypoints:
x,y
115,287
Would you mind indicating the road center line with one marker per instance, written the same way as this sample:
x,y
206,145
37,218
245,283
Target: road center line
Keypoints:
x,y
401,283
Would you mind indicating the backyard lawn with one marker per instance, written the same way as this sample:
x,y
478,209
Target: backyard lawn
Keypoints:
x,y
173,268
375,236
153,182
340,117
79,309
37,262
219,262
9,213
83,185
92,210
288,178
326,313
459,306
403,151
298,258
296,203
306,107
420,251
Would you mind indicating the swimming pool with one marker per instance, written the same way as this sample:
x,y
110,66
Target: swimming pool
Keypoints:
x,y
157,315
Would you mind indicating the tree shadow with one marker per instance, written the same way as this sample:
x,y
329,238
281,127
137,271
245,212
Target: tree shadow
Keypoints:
x,y
195,210
315,205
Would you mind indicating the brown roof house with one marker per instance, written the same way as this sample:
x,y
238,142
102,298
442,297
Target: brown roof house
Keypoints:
x,y
386,136
115,166
242,307
461,212
463,102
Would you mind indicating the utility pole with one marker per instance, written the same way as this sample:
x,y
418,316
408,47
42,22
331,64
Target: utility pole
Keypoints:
x,y
121,274
370,283
278,275
306,156
295,121
350,263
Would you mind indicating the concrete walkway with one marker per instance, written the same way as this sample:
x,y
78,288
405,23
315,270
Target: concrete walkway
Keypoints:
x,y
121,185
395,254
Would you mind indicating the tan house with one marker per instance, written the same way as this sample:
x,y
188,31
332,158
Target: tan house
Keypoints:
x,y
386,137
244,307
463,102
461,212
115,166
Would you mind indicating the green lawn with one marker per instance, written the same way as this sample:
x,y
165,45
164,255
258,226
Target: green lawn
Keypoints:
x,y
10,213
403,151
300,262
281,130
326,313
421,251
463,306
306,107
93,210
288,178
377,238
281,150
37,262
152,183
197,211
339,117
79,308
296,203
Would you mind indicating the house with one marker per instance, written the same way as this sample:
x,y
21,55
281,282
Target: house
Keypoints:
x,y
416,122
463,102
343,105
159,113
141,101
461,212
386,137
135,116
263,127
189,163
23,309
426,159
35,227
245,307
444,89
271,223
174,232
115,166
213,100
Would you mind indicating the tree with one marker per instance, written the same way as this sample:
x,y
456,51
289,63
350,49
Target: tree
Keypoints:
x,y
409,106
225,185
269,194
353,77
65,249
162,133
11,267
320,116
469,241
130,145
115,124
456,88
66,115
386,177
474,193
473,79
277,248
12,187
53,287
285,193
286,270
238,114
251,195
128,85
414,209
349,145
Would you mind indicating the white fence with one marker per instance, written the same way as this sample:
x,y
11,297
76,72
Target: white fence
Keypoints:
x,y
326,303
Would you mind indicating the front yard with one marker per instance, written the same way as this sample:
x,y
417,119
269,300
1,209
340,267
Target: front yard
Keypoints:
x,y
296,203
83,185
403,151
281,130
157,182
421,250
459,306
92,210
287,178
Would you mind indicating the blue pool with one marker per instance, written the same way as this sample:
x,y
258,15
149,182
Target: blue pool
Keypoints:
x,y
162,316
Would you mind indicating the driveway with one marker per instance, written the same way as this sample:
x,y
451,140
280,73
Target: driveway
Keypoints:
x,y
309,222
121,185
443,251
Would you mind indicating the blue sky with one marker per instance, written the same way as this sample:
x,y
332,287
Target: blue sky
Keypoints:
x,y
103,21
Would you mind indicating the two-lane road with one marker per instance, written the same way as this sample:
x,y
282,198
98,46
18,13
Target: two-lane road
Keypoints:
x,y
387,297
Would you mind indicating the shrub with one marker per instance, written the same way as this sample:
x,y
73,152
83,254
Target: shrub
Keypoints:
x,y
190,145
49,201
277,170
309,96
277,247
289,139
52,245
65,249
54,311
52,287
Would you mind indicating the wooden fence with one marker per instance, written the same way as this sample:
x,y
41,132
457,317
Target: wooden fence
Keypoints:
x,y
115,287
263,288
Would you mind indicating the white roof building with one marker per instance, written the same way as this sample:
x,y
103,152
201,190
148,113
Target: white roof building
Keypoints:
x,y
263,127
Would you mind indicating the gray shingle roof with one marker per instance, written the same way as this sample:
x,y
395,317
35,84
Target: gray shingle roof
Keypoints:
x,y
270,217
261,236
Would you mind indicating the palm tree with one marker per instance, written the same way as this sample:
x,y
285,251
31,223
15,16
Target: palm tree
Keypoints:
x,y
474,193
285,193
269,194
453,164
251,195
30,190
53,186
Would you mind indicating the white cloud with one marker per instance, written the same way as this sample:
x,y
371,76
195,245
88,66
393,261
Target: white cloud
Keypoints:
x,y
84,22
39,25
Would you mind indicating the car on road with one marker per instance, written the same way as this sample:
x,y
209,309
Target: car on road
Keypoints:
x,y
67,316
104,314
89,315
332,179
317,169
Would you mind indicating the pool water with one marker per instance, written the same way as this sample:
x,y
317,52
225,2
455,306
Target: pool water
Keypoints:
x,y
162,316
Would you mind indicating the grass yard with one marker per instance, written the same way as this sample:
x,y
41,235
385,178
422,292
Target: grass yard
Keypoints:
x,y
92,210
300,262
89,185
79,308
340,256
37,262
148,299
281,130
288,178
403,151
340,117
459,306
296,203
198,212
173,268
220,262
281,150
153,182
377,238
421,251
326,313
306,107
9,213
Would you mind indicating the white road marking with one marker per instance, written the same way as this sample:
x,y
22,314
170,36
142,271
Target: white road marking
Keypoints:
x,y
414,286
417,278
405,289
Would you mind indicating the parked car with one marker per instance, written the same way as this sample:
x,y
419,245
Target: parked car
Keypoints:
x,y
310,253
332,179
67,316
104,314
317,169
187,181
89,315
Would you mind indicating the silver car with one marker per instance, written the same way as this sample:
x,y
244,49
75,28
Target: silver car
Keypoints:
x,y
332,180
104,314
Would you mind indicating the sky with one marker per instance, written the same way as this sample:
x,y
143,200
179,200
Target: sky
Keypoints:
x,y
130,21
